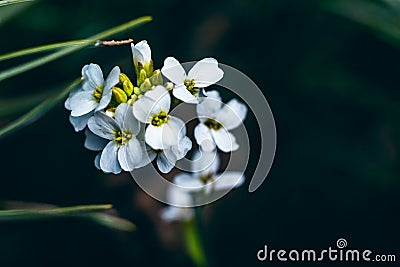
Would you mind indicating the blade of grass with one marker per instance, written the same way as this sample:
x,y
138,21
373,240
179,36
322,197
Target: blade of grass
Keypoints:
x,y
112,221
13,106
65,51
41,49
11,2
90,212
7,214
37,111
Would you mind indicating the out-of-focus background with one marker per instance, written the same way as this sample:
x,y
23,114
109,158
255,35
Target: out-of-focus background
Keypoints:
x,y
330,71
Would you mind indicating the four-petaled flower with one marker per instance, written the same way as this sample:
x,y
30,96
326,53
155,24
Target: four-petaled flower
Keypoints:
x,y
216,120
124,150
94,95
189,87
163,130
202,181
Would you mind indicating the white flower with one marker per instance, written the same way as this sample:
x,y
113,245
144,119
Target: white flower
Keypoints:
x,y
188,87
123,151
141,53
152,108
216,120
204,178
94,95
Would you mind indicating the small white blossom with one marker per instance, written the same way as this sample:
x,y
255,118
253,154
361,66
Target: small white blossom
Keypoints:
x,y
96,92
123,151
189,87
216,120
203,179
141,53
163,130
94,95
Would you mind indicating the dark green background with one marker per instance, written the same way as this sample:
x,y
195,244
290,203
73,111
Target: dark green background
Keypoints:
x,y
332,85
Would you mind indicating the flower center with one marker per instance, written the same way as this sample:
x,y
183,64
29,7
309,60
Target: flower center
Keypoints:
x,y
159,119
212,124
122,137
98,93
190,86
206,178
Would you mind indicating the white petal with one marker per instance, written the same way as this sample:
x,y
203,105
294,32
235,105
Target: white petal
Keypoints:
x,y
141,52
148,156
164,163
232,114
180,150
125,119
188,182
109,159
67,104
166,135
94,142
173,131
206,72
173,71
94,75
130,155
82,103
142,109
203,137
161,97
152,103
209,106
177,196
205,162
80,122
224,140
112,80
97,161
102,125
183,94
170,214
228,180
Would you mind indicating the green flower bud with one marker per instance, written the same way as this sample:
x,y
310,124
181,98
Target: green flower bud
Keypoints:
x,y
146,86
141,77
119,95
136,90
156,79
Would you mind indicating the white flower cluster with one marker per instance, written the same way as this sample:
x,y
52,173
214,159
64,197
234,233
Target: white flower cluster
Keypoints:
x,y
130,123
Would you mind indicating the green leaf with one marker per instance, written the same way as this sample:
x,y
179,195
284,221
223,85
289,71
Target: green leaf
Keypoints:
x,y
70,49
41,49
37,111
90,212
10,2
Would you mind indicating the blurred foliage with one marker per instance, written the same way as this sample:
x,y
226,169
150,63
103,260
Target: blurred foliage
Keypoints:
x,y
330,72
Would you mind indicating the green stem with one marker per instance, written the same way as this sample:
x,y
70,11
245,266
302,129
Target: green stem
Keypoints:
x,y
193,240
65,51
41,49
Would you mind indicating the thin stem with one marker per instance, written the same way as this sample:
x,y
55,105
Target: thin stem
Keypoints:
x,y
41,49
65,51
193,240
10,2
